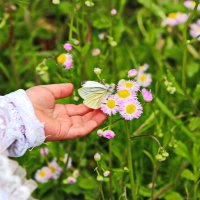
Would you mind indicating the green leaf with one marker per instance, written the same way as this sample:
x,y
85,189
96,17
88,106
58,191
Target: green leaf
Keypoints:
x,y
193,68
167,111
183,151
188,175
156,10
87,183
174,196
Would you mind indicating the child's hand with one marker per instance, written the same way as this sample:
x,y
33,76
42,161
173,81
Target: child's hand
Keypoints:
x,y
62,121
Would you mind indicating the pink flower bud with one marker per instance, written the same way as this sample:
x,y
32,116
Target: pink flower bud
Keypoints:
x,y
97,157
132,73
68,47
109,134
147,95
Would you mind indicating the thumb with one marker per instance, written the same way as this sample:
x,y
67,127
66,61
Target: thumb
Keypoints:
x,y
60,90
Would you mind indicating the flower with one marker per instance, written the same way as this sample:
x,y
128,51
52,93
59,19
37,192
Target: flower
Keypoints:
x,y
125,94
89,3
44,151
106,173
43,175
76,98
195,29
99,178
130,85
109,134
55,169
71,180
102,36
97,70
147,95
132,73
76,173
68,47
174,19
143,67
113,11
144,79
66,60
130,109
55,1
66,159
97,157
100,132
96,52
109,105
191,5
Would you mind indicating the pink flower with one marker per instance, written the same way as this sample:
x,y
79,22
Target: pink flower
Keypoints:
x,y
106,173
132,73
100,133
113,11
110,105
174,19
195,29
109,134
97,157
68,47
44,151
191,4
128,85
71,180
96,52
147,95
130,109
55,169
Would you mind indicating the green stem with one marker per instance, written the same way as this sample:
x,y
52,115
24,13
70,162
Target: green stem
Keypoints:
x,y
101,191
184,61
110,164
130,165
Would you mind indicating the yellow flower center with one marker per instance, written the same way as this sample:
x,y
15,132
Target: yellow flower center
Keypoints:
x,y
42,173
143,78
129,85
123,94
172,15
193,3
141,67
61,58
53,169
131,108
111,103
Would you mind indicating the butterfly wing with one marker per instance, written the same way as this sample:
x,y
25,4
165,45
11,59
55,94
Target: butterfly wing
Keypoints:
x,y
94,100
93,92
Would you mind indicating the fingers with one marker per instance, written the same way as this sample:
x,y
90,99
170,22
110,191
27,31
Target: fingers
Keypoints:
x,y
80,109
60,90
96,115
83,130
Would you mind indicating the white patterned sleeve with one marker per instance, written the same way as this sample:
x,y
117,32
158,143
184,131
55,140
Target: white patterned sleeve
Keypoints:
x,y
19,127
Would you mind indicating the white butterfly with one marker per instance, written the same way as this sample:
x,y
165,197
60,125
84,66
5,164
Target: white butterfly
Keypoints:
x,y
93,93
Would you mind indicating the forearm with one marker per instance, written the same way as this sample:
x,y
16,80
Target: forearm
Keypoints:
x,y
19,127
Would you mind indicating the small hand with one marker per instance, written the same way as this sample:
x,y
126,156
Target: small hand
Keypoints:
x,y
62,121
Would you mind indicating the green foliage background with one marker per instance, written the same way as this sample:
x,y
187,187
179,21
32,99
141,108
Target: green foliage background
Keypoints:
x,y
32,33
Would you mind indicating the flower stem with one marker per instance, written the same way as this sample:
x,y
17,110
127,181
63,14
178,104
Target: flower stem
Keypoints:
x,y
101,191
184,60
130,165
110,164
